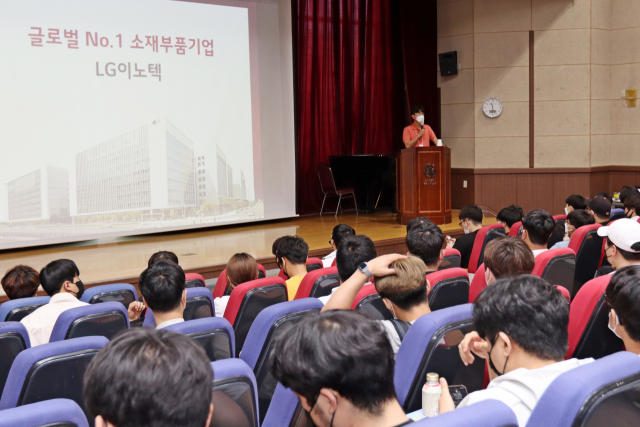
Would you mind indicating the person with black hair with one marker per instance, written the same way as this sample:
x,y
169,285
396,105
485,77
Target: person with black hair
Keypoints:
x,y
471,221
574,202
623,295
292,254
60,279
163,290
150,378
628,191
622,244
537,226
524,357
576,219
339,232
418,134
632,207
415,222
509,216
425,241
163,256
340,365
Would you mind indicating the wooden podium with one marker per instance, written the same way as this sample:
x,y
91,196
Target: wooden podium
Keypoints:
x,y
424,184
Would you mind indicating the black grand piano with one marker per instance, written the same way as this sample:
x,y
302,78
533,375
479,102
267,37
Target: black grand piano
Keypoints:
x,y
372,175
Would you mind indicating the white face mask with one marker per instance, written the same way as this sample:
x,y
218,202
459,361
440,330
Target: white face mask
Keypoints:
x,y
566,228
420,120
614,329
566,211
487,275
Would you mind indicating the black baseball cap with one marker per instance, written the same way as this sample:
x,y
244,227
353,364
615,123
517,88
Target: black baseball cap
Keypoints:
x,y
600,206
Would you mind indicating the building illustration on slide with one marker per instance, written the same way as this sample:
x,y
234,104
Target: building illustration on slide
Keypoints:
x,y
41,194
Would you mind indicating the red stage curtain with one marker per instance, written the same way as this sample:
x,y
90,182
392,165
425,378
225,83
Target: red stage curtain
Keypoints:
x,y
349,84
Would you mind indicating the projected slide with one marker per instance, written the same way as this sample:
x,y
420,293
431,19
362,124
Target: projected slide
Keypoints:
x,y
127,117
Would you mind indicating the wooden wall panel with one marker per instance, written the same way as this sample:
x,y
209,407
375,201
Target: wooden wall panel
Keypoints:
x,y
461,196
619,179
566,184
534,191
498,191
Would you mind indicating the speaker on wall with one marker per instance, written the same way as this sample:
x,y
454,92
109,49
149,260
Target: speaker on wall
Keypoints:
x,y
448,63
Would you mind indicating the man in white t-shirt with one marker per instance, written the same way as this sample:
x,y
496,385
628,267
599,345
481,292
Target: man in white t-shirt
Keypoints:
x,y
537,226
339,232
402,284
521,330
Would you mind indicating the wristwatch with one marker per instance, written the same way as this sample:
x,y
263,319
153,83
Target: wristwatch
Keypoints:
x,y
365,269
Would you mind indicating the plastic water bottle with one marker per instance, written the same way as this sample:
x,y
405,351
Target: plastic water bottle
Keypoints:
x,y
431,393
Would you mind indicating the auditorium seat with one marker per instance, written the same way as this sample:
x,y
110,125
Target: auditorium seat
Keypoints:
x,y
214,334
369,302
515,229
248,300
235,394
487,413
199,306
318,283
556,266
14,338
616,214
328,187
105,319
571,394
118,292
49,413
478,283
451,259
312,264
449,288
194,280
286,410
431,345
589,335
17,309
587,246
221,284
560,219
51,371
565,292
260,340
484,236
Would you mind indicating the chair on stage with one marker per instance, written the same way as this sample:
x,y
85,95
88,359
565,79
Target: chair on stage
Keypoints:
x,y
17,309
328,187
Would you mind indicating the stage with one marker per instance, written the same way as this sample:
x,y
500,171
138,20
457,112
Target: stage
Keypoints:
x,y
207,251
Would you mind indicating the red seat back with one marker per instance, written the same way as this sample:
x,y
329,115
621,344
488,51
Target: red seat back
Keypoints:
x,y
194,280
556,266
587,246
369,302
318,283
589,335
478,283
484,236
449,288
248,300
515,228
565,293
451,259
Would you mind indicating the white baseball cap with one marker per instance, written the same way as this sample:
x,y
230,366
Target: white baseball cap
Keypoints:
x,y
624,233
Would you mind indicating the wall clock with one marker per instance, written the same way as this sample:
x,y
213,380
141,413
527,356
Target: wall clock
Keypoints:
x,y
492,108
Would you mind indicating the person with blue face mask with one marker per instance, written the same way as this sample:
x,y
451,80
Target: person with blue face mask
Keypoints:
x,y
521,331
623,295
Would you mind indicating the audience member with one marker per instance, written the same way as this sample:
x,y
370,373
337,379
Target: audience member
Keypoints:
x,y
471,221
241,268
509,216
537,226
600,209
340,231
603,195
576,219
163,256
632,207
292,256
339,359
628,191
416,222
148,378
21,281
425,241
574,202
60,279
521,330
163,290
401,283
622,246
507,257
623,295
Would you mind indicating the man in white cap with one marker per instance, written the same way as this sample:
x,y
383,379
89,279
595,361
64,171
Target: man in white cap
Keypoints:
x,y
622,247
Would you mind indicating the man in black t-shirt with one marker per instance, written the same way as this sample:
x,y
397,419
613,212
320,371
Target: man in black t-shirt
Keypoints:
x,y
470,221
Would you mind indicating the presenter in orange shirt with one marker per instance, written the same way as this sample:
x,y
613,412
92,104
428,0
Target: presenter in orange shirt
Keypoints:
x,y
418,134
